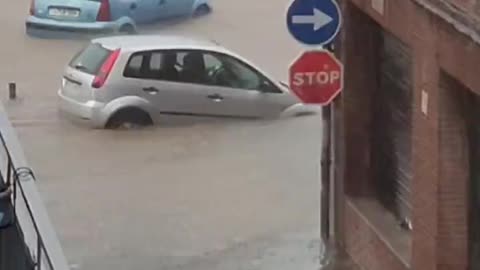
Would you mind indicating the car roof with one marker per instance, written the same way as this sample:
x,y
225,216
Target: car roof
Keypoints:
x,y
134,43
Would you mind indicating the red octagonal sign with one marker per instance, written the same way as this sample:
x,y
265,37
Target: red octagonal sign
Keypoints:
x,y
316,77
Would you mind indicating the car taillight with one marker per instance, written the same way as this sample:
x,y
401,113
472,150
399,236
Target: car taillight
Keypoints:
x,y
32,7
105,69
104,11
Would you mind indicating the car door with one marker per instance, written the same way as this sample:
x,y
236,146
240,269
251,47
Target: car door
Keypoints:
x,y
243,91
149,72
173,8
143,11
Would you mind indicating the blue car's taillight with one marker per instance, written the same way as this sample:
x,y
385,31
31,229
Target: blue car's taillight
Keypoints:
x,y
104,11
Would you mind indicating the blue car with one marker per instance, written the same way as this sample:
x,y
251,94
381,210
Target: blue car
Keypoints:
x,y
105,16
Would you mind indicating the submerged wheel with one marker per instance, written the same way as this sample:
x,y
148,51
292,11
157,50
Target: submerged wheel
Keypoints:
x,y
201,10
129,118
127,29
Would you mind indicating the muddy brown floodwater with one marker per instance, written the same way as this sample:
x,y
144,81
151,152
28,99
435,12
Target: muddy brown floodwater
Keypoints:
x,y
190,194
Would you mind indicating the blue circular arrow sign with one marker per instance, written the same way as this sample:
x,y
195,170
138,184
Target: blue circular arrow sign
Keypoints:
x,y
314,22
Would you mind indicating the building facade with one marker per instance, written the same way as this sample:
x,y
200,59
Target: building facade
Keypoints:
x,y
407,144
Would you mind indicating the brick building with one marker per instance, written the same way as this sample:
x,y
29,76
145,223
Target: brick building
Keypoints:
x,y
408,134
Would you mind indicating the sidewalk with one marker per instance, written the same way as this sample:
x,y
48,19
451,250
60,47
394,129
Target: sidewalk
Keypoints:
x,y
286,252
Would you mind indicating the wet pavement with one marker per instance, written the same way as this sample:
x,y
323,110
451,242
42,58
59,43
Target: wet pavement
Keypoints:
x,y
189,194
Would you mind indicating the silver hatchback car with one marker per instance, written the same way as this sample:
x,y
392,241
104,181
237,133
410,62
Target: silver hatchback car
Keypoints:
x,y
133,80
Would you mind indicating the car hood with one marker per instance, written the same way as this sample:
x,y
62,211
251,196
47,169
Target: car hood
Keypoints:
x,y
293,97
290,97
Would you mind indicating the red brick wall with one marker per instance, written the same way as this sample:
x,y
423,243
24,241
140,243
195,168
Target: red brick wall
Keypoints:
x,y
360,239
439,237
425,141
467,12
463,63
466,5
366,247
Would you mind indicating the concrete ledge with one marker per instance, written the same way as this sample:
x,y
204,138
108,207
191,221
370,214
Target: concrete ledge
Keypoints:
x,y
33,207
368,243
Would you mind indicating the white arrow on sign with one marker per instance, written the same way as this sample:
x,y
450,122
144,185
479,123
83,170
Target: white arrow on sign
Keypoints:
x,y
318,19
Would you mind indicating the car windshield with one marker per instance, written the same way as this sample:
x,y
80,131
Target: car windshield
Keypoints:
x,y
90,59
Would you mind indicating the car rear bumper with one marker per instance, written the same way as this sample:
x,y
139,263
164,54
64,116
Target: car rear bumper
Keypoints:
x,y
90,111
33,23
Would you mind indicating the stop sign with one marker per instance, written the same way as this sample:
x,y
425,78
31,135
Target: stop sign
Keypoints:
x,y
316,77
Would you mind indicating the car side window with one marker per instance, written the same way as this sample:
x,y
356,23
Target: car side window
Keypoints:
x,y
211,62
132,70
243,76
155,63
226,71
180,56
153,66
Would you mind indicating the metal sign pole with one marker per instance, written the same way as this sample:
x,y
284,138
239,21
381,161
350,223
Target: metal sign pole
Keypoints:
x,y
317,23
327,189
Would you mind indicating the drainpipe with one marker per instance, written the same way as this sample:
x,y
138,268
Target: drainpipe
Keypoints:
x,y
325,195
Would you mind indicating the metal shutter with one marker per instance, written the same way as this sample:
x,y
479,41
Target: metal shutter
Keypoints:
x,y
474,144
392,127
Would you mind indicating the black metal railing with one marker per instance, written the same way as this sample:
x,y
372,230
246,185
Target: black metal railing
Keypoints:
x,y
13,176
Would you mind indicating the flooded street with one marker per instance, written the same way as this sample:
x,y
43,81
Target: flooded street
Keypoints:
x,y
189,194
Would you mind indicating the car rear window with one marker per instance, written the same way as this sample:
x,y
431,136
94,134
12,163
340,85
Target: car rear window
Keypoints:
x,y
90,59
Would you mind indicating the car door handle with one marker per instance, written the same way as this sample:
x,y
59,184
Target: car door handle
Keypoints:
x,y
215,97
162,2
151,90
133,5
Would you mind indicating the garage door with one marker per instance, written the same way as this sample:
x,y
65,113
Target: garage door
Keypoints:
x,y
393,127
475,182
